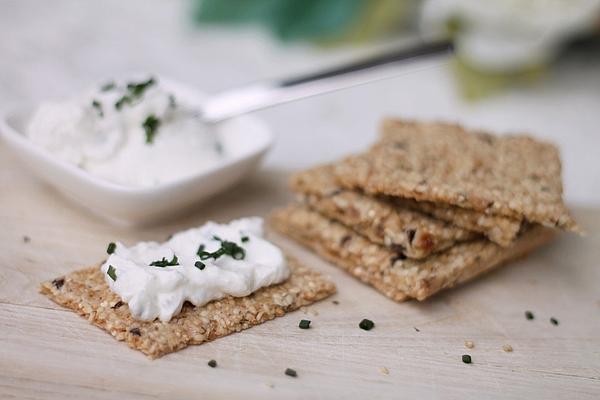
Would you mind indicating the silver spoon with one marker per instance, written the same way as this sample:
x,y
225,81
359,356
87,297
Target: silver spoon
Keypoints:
x,y
265,94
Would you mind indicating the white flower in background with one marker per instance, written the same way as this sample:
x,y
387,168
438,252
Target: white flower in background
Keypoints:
x,y
505,35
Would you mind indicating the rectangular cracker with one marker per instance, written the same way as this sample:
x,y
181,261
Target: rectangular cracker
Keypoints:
x,y
381,268
513,176
498,229
86,292
405,231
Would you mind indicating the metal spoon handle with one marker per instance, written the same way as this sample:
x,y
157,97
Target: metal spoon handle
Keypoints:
x,y
269,93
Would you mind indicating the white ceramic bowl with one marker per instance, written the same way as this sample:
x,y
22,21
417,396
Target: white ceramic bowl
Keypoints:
x,y
246,138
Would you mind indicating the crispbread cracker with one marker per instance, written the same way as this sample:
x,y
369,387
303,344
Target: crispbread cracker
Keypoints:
x,y
381,268
500,230
86,292
513,176
410,232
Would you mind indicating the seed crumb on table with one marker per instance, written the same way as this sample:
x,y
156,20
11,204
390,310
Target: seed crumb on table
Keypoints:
x,y
507,348
469,344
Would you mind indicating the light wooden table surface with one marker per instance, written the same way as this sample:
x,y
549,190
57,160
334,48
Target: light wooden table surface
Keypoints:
x,y
48,352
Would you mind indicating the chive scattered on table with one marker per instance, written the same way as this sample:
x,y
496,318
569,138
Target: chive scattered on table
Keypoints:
x,y
111,248
366,324
554,321
212,364
466,359
304,324
529,315
291,372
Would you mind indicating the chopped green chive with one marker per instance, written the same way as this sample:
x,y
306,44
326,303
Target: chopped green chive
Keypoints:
x,y
200,265
138,89
291,372
466,359
212,363
98,107
245,239
111,248
529,315
304,324
366,324
164,263
554,321
134,92
150,125
227,249
112,273
107,86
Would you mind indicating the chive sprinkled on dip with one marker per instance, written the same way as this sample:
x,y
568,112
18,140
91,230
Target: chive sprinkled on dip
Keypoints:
x,y
529,315
291,372
466,359
245,239
156,279
98,107
165,263
107,86
212,363
150,125
111,248
137,133
366,324
112,273
304,324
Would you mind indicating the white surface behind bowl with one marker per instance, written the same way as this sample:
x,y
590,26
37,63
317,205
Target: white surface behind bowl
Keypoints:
x,y
246,139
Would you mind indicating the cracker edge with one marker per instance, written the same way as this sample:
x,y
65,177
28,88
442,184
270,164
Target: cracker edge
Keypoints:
x,y
324,288
424,287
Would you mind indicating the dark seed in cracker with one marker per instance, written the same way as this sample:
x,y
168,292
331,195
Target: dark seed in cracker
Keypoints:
x,y
135,331
58,282
117,305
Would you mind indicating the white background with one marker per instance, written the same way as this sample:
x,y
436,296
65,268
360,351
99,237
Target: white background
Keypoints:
x,y
50,49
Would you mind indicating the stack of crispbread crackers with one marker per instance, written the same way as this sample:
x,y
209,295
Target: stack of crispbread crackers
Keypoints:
x,y
429,206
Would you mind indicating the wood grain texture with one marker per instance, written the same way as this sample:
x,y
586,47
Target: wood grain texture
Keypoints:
x,y
48,352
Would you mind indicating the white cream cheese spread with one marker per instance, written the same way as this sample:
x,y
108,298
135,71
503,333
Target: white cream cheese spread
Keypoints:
x,y
197,265
135,133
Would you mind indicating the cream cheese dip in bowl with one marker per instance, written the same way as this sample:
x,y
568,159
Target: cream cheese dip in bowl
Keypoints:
x,y
133,151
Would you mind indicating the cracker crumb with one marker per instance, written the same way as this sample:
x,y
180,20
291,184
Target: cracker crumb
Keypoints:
x,y
384,371
469,344
507,348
